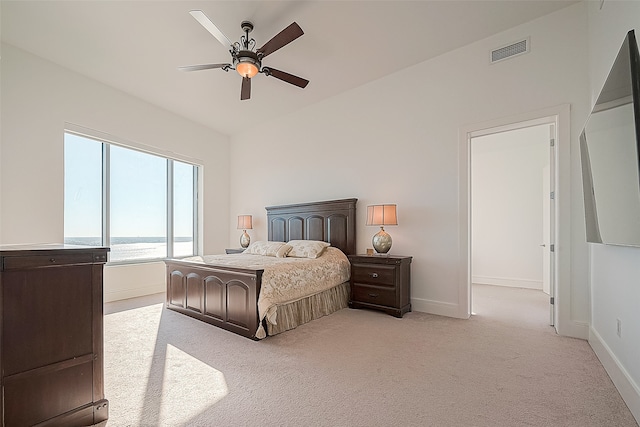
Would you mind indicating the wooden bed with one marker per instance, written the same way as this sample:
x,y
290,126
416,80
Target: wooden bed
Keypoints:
x,y
227,297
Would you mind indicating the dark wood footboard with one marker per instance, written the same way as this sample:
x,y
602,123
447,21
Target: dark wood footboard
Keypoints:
x,y
222,296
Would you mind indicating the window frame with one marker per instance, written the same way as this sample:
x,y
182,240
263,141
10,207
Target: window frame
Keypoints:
x,y
107,143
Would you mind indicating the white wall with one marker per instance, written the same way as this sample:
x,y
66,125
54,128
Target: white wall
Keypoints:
x,y
506,205
395,140
615,270
38,98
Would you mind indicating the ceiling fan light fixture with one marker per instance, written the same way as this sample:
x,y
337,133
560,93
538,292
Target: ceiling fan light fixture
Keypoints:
x,y
247,69
247,63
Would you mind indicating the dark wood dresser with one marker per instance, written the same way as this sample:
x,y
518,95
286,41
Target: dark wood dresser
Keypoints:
x,y
51,336
381,282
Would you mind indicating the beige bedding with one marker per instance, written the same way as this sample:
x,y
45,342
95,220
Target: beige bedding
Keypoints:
x,y
287,279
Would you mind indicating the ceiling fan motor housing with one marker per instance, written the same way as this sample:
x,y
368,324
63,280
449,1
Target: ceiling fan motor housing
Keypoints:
x,y
247,26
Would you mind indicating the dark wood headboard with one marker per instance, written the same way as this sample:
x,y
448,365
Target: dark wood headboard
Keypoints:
x,y
332,221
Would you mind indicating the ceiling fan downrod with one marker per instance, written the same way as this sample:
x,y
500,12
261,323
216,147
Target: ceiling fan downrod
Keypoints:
x,y
246,43
245,60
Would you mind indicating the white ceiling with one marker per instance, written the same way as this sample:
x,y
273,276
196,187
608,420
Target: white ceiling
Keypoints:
x,y
136,46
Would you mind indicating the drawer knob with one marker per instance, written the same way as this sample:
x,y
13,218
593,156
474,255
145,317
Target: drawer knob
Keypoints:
x,y
374,275
373,295
52,260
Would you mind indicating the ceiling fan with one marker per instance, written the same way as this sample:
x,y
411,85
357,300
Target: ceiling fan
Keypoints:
x,y
247,60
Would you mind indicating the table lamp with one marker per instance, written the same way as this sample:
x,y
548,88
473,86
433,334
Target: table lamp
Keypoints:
x,y
244,224
382,215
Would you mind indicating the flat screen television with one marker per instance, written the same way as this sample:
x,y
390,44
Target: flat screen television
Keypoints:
x,y
610,154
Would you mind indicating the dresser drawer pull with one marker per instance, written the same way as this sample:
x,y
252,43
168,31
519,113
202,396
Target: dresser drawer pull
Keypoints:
x,y
374,275
373,295
52,260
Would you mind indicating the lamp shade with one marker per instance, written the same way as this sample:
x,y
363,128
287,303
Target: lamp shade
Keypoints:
x,y
244,222
382,215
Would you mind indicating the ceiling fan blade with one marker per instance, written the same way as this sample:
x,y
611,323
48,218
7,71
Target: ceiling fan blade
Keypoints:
x,y
281,39
245,91
202,67
286,77
210,26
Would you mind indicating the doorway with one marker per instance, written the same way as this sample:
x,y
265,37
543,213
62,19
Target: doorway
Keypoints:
x,y
511,221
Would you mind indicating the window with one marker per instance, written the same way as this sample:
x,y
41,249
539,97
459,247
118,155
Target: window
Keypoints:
x,y
82,191
141,205
184,198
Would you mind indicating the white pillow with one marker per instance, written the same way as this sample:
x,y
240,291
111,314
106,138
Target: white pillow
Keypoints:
x,y
267,249
306,248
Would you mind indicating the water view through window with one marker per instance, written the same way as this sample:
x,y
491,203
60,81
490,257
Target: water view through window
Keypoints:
x,y
82,191
184,181
119,197
138,196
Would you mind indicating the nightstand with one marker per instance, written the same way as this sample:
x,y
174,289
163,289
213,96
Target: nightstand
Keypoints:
x,y
381,282
234,251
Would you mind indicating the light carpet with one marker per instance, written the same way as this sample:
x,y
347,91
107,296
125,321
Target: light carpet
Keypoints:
x,y
502,367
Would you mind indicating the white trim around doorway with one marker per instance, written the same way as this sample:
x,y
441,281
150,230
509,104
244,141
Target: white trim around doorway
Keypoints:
x,y
560,116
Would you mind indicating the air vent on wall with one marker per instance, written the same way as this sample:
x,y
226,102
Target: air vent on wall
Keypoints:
x,y
510,51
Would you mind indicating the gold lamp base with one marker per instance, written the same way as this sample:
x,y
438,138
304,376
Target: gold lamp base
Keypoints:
x,y
382,241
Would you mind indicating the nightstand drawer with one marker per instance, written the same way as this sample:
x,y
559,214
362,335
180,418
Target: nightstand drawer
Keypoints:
x,y
373,294
381,275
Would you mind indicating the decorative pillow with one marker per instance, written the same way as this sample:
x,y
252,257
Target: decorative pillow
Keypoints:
x,y
283,251
265,248
306,248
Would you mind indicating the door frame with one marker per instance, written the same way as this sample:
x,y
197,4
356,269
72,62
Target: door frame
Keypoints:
x,y
560,117
548,202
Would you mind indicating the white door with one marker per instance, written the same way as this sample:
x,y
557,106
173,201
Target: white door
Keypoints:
x,y
549,215
546,232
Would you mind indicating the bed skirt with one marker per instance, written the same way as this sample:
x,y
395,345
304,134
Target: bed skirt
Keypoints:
x,y
296,313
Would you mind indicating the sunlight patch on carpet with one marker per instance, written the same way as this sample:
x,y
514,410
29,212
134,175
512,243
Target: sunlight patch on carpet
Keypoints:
x,y
185,375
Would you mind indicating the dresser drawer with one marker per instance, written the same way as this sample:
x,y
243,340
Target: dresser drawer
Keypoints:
x,y
33,261
381,275
373,294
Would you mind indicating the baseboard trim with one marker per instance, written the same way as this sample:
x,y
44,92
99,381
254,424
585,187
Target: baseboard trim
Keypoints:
x,y
121,294
435,307
573,329
628,389
505,281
